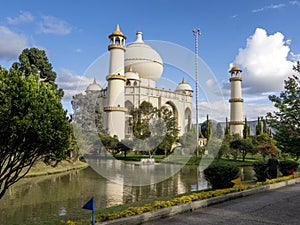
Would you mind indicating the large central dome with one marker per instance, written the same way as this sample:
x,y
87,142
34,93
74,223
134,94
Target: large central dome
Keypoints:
x,y
144,59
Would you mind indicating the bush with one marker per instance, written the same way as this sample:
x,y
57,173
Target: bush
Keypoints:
x,y
261,170
221,175
287,166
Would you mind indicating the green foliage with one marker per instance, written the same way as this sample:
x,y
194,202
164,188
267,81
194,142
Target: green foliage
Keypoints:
x,y
265,129
141,118
153,129
110,143
35,61
265,144
208,130
171,130
213,147
287,166
224,149
286,119
227,128
246,130
33,126
87,114
220,175
188,141
261,170
218,133
244,146
258,127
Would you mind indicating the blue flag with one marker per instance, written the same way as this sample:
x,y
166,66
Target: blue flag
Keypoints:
x,y
89,205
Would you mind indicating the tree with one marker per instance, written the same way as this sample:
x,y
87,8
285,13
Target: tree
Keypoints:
x,y
258,127
227,128
171,132
153,128
246,130
218,133
33,126
245,146
141,118
265,144
35,61
87,114
265,129
224,149
208,129
286,120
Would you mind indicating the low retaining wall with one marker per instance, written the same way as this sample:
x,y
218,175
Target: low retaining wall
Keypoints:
x,y
191,206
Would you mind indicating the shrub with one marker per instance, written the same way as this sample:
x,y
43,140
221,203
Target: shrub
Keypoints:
x,y
287,166
220,175
261,170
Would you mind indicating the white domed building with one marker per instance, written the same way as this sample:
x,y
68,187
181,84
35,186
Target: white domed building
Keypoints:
x,y
133,72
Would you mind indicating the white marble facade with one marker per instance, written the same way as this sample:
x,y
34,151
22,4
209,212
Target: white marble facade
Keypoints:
x,y
133,72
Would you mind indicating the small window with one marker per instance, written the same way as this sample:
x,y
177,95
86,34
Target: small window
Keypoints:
x,y
128,83
135,83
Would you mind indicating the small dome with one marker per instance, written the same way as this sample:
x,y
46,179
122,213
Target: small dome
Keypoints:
x,y
131,75
144,59
93,87
183,86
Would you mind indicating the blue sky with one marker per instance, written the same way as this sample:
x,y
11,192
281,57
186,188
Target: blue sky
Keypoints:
x,y
262,37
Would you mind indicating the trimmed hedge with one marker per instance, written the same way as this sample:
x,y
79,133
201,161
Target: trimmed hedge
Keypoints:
x,y
287,166
220,175
261,170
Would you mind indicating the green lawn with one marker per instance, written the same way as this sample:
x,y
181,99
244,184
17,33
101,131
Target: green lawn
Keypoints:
x,y
193,160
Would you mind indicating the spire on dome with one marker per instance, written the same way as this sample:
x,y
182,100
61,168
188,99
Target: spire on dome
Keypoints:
x,y
130,69
183,81
118,31
139,37
94,81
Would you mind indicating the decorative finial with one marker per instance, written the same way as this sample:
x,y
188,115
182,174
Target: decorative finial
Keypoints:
x,y
235,70
183,81
139,37
94,82
130,69
117,31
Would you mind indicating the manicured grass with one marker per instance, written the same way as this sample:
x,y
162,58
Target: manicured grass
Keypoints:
x,y
193,160
41,169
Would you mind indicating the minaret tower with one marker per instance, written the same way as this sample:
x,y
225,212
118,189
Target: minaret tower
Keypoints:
x,y
114,108
236,111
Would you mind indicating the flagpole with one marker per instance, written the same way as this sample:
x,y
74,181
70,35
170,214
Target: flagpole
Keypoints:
x,y
196,33
93,217
90,205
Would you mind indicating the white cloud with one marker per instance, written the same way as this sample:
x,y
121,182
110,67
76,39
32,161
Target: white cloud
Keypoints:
x,y
11,44
53,25
295,57
72,83
297,3
264,62
24,17
219,110
210,83
277,6
258,10
252,111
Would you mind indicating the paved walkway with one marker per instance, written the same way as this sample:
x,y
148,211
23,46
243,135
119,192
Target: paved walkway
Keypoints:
x,y
280,206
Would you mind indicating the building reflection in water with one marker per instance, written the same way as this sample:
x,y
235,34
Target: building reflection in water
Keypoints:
x,y
60,195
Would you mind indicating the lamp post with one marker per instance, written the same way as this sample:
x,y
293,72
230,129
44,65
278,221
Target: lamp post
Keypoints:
x,y
196,33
